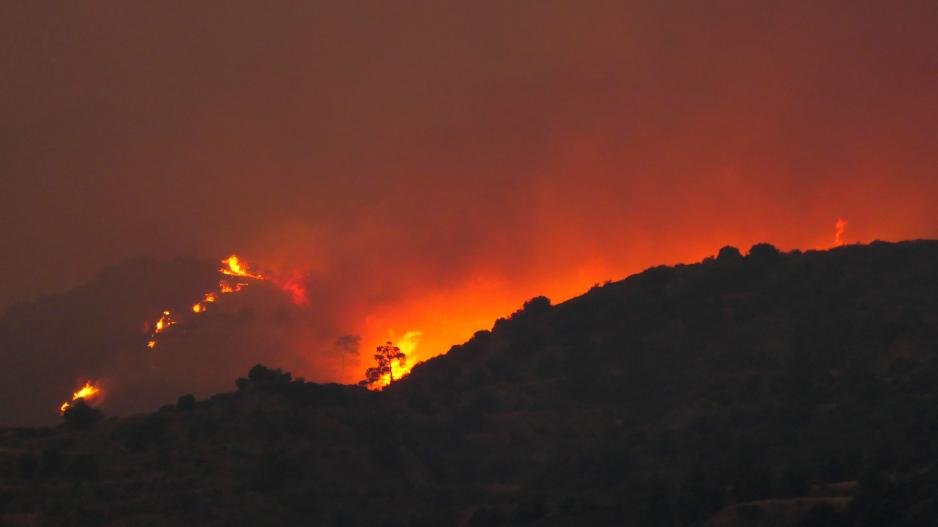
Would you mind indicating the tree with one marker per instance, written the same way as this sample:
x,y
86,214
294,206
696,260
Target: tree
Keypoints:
x,y
385,355
186,403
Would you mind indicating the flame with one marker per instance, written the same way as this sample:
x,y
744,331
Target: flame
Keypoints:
x,y
839,227
233,266
164,322
407,343
87,391
225,287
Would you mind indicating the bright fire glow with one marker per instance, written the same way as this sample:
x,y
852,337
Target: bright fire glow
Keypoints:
x,y
294,287
408,345
87,392
233,266
839,228
164,322
225,287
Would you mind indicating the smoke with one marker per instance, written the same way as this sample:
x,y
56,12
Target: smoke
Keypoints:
x,y
430,167
839,228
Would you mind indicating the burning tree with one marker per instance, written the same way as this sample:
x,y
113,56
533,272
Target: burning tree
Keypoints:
x,y
385,356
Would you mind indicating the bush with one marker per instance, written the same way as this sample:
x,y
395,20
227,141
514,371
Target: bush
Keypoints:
x,y
729,254
764,252
186,403
268,379
80,415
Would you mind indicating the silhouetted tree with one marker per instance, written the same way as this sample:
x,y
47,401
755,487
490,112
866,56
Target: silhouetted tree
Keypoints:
x,y
729,253
348,346
185,403
267,379
385,355
764,252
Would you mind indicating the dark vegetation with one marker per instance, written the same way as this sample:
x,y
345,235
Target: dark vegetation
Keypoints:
x,y
769,389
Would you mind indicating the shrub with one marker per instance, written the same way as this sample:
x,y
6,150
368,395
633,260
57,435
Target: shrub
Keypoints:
x,y
764,252
186,403
80,415
729,254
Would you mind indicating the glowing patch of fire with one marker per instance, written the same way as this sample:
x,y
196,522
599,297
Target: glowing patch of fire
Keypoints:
x,y
408,345
86,392
233,266
839,228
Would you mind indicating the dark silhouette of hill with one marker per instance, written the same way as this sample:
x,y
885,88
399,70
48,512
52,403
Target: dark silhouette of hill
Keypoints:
x,y
766,389
48,346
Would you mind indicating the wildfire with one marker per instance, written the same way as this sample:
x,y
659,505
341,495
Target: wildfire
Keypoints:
x,y
86,392
293,286
164,322
233,266
225,287
407,344
199,307
839,228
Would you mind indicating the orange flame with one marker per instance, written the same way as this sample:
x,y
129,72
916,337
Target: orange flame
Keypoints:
x,y
233,266
164,322
839,228
86,392
408,345
225,287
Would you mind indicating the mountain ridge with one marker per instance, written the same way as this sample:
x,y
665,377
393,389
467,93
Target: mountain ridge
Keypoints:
x,y
766,389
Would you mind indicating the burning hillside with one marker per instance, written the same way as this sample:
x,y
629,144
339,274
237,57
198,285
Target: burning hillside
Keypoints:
x,y
232,266
740,387
88,393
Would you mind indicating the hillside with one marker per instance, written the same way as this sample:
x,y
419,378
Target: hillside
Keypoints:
x,y
99,331
770,389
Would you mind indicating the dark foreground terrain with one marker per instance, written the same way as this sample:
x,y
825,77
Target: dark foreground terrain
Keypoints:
x,y
771,389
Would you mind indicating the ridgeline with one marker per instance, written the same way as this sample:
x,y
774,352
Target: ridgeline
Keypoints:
x,y
768,389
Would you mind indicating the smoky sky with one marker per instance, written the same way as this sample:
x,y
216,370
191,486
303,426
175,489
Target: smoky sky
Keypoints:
x,y
395,149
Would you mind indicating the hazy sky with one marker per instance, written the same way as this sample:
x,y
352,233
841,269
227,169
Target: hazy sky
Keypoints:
x,y
430,164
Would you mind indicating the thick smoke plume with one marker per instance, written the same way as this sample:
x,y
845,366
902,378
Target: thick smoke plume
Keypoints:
x,y
427,167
